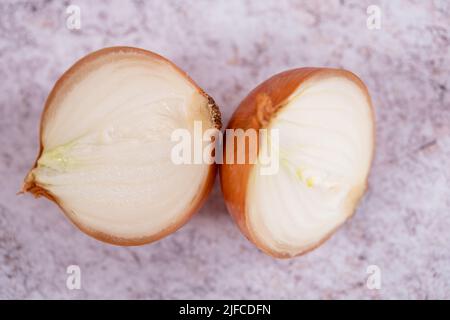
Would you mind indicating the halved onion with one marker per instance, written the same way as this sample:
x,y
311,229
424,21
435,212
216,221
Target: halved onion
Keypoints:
x,y
105,155
325,123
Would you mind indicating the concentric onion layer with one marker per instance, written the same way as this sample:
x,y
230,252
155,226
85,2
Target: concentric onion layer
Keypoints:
x,y
326,144
106,146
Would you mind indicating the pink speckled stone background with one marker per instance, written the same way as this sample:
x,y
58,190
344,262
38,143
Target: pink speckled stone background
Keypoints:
x,y
229,47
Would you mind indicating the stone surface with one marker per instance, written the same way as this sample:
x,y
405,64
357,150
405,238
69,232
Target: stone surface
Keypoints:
x,y
228,47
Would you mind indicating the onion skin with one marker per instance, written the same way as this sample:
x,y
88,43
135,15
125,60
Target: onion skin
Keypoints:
x,y
255,112
31,186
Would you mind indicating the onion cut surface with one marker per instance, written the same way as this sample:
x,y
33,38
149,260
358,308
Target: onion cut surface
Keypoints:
x,y
106,146
326,139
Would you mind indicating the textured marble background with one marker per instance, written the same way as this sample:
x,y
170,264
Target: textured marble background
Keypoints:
x,y
228,47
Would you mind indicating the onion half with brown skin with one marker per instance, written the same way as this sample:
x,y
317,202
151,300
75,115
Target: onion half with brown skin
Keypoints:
x,y
105,146
326,131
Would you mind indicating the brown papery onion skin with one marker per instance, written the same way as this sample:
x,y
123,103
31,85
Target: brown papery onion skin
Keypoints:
x,y
255,112
30,185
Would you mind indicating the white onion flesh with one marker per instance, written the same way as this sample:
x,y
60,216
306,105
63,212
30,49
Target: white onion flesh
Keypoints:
x,y
326,144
